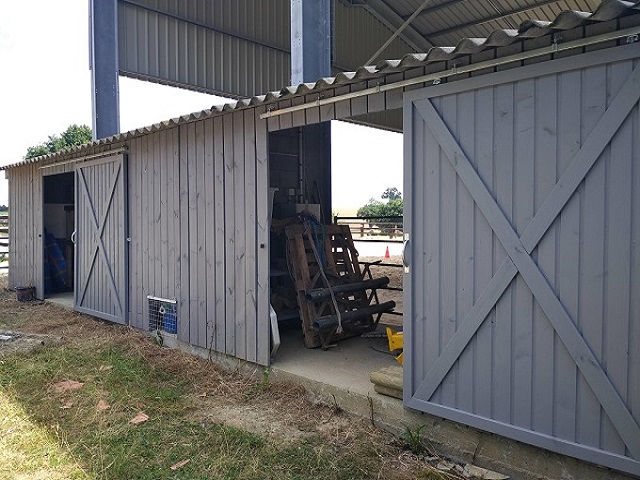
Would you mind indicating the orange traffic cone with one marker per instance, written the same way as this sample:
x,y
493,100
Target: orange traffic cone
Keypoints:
x,y
386,254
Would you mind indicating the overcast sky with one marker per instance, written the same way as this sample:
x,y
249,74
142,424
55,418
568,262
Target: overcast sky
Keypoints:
x,y
45,87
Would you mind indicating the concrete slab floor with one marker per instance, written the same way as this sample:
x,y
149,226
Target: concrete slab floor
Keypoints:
x,y
347,365
64,299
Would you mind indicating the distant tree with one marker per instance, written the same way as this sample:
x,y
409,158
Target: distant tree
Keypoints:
x,y
392,194
379,213
72,136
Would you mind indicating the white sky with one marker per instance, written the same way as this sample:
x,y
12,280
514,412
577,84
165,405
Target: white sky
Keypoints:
x,y
45,86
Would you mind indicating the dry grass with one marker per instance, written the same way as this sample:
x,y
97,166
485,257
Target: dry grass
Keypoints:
x,y
227,424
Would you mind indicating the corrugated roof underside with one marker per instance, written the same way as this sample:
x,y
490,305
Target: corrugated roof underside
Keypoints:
x,y
608,10
231,47
445,22
358,35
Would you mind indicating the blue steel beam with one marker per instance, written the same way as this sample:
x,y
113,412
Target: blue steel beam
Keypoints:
x,y
103,47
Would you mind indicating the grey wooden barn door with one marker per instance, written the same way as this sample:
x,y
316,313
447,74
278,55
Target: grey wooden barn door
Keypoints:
x,y
100,268
523,203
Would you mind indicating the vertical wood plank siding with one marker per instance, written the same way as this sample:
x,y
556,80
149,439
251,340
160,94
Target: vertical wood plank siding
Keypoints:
x,y
520,137
196,230
25,228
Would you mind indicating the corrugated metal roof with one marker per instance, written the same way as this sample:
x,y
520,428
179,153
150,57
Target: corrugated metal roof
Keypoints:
x,y
566,20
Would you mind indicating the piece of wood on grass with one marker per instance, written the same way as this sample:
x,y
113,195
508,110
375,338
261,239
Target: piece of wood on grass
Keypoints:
x,y
66,386
180,464
105,368
141,417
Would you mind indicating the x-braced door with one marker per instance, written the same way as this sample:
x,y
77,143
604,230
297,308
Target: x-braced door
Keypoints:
x,y
523,199
101,236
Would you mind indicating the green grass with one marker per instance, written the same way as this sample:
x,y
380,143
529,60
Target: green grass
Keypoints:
x,y
41,440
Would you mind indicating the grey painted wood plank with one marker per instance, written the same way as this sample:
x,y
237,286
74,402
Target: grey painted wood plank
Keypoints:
x,y
38,233
298,118
375,102
286,120
571,337
424,346
312,115
210,232
184,318
144,230
568,254
166,192
618,253
328,112
201,234
136,216
358,104
343,107
522,327
192,249
219,236
263,336
633,389
174,244
229,227
409,294
502,355
156,268
250,231
544,180
483,252
465,258
432,286
239,234
449,244
591,279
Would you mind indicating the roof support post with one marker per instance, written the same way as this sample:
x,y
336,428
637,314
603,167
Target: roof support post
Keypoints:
x,y
311,40
103,54
311,52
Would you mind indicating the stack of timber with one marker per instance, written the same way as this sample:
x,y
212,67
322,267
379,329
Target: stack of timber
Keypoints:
x,y
336,297
388,381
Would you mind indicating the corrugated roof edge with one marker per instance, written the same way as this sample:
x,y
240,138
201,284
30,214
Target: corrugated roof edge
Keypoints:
x,y
566,20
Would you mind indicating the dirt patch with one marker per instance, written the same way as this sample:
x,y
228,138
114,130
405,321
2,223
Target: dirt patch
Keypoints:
x,y
19,342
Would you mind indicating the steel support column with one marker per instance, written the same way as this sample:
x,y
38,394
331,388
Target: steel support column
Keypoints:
x,y
311,59
103,51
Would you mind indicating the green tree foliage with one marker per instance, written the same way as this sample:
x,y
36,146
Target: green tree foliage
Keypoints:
x,y
380,211
74,135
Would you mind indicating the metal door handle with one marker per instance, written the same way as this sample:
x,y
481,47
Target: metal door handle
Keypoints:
x,y
406,259
73,237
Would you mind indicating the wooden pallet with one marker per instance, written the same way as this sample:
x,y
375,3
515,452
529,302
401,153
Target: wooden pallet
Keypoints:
x,y
326,273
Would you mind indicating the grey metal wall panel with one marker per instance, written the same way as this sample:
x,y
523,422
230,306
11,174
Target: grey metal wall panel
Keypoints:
x,y
209,46
518,373
197,226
